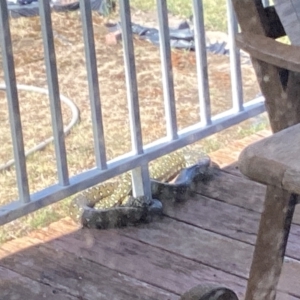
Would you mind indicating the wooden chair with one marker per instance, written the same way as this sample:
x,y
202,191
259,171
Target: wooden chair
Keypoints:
x,y
274,161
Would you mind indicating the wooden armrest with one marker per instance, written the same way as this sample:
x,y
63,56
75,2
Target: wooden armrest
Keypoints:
x,y
270,51
275,160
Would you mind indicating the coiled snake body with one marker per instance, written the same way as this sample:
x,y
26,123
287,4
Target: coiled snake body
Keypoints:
x,y
111,205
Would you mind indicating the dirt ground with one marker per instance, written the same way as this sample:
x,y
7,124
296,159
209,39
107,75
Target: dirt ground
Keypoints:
x,y
36,121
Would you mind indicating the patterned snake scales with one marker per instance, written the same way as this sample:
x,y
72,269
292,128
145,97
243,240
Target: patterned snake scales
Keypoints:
x,y
111,204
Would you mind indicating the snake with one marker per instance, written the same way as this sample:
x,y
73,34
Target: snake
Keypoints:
x,y
208,291
111,204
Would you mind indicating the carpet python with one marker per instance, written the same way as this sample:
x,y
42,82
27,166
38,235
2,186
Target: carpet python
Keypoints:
x,y
208,291
111,204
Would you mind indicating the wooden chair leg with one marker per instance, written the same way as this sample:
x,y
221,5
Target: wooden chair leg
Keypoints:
x,y
271,243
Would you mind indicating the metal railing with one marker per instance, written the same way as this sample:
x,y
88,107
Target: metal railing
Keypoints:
x,y
136,160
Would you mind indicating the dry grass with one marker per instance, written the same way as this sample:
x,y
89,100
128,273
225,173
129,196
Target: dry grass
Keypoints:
x,y
214,11
29,63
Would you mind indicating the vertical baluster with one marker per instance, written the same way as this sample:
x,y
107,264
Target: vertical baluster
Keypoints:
x,y
140,176
201,58
13,104
54,96
92,73
167,72
235,61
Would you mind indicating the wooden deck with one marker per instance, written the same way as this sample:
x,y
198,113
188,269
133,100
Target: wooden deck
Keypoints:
x,y
210,237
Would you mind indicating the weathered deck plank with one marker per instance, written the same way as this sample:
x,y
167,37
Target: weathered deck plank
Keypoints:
x,y
15,286
238,191
232,169
74,274
223,254
234,190
241,223
133,257
231,256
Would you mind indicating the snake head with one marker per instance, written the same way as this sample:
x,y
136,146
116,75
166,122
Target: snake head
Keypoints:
x,y
190,174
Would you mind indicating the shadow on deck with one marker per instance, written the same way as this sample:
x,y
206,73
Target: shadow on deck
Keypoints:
x,y
208,238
